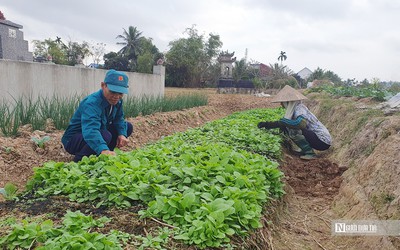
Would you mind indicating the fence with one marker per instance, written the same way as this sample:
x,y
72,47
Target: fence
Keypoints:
x,y
229,86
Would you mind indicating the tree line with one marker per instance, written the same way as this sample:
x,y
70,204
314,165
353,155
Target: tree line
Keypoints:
x,y
191,61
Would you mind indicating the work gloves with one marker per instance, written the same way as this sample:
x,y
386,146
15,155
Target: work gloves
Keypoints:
x,y
299,123
270,125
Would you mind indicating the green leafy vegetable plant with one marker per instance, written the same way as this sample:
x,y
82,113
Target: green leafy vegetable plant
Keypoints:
x,y
40,142
8,150
158,240
9,191
74,233
8,221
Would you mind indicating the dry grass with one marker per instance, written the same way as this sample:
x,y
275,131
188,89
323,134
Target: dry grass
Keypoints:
x,y
170,91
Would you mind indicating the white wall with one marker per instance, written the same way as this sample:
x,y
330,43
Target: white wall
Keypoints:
x,y
18,78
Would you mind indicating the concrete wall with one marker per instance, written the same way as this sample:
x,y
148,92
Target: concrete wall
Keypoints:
x,y
19,78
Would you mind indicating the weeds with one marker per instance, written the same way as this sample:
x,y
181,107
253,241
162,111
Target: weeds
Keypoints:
x,y
362,120
381,200
369,149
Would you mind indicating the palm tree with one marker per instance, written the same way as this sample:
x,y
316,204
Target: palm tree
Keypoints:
x,y
131,42
279,71
239,71
282,56
281,76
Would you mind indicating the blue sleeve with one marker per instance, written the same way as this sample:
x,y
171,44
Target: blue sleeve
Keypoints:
x,y
119,121
298,123
91,124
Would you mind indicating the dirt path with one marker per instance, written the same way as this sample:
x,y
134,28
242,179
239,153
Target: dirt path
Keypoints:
x,y
302,220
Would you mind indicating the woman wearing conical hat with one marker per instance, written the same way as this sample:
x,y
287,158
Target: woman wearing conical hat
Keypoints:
x,y
302,127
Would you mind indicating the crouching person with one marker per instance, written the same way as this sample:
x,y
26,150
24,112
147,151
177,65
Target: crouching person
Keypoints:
x,y
98,125
301,126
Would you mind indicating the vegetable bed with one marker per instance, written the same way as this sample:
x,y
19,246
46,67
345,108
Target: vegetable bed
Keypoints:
x,y
209,183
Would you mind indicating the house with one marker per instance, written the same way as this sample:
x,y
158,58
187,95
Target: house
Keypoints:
x,y
304,73
263,70
12,43
94,65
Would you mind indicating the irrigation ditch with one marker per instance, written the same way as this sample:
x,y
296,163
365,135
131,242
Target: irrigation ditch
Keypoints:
x,y
357,179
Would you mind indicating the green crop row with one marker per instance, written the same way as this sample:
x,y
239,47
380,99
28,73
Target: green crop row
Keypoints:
x,y
150,105
74,233
27,110
200,181
239,131
376,93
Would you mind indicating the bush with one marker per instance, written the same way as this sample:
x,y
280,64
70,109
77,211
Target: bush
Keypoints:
x,y
280,83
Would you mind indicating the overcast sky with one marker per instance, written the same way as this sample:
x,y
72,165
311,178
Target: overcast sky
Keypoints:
x,y
353,38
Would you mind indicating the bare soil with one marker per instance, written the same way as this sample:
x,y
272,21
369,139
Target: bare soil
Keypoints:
x,y
302,220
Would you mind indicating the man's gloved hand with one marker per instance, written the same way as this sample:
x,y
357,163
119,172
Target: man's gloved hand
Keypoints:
x,y
261,124
270,125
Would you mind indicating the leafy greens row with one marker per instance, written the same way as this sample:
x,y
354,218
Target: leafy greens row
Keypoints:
x,y
202,181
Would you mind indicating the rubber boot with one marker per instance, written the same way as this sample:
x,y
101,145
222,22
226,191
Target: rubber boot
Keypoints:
x,y
294,147
290,145
306,149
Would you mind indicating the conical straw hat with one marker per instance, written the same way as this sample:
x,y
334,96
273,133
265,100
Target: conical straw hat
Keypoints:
x,y
288,94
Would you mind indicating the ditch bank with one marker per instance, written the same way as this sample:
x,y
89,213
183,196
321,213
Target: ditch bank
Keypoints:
x,y
365,150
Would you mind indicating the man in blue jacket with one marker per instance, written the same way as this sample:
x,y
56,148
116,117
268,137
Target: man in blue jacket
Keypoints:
x,y
98,125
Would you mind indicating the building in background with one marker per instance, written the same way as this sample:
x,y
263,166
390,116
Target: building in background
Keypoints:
x,y
304,73
94,66
226,60
12,43
261,70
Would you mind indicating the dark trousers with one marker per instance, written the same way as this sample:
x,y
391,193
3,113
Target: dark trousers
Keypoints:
x,y
314,141
77,145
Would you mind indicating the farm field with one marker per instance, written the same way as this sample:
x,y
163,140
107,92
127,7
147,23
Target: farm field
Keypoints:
x,y
355,179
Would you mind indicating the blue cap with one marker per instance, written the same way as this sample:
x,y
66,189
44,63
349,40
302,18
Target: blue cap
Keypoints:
x,y
117,81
